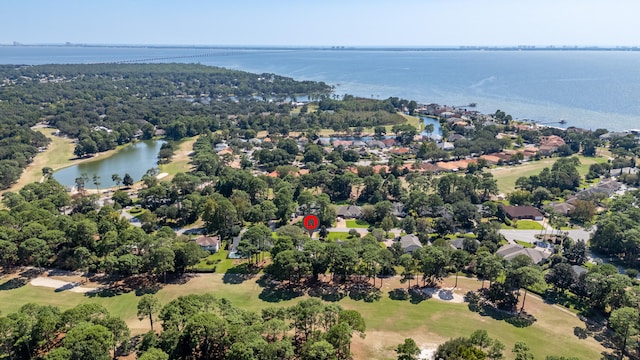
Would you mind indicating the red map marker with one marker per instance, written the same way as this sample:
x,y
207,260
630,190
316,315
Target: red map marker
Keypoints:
x,y
311,223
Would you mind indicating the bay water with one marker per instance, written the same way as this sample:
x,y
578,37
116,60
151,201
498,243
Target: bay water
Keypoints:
x,y
588,89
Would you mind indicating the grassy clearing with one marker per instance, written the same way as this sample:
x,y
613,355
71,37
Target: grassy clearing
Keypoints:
x,y
357,224
181,160
413,120
524,225
335,236
217,262
123,306
507,175
388,321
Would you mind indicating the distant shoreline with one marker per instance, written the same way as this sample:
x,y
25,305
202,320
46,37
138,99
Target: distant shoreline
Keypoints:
x,y
343,48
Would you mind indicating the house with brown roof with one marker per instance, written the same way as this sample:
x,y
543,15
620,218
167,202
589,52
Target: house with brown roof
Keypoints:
x,y
551,143
209,243
399,151
427,166
522,212
491,159
343,143
388,142
525,127
447,166
225,152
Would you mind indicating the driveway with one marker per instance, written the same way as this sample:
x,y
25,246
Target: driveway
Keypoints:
x,y
132,220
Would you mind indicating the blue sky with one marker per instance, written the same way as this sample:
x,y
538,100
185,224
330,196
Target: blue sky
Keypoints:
x,y
323,22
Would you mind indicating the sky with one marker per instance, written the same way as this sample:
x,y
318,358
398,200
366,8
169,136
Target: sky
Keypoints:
x,y
323,22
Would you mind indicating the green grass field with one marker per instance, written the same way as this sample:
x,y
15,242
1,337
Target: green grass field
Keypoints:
x,y
524,225
334,236
217,262
357,224
507,175
388,321
181,160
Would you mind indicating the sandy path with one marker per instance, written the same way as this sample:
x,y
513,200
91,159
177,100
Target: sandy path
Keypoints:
x,y
60,285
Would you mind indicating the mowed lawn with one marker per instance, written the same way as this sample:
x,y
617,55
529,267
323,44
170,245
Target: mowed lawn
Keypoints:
x,y
181,159
507,175
429,322
57,155
524,225
357,224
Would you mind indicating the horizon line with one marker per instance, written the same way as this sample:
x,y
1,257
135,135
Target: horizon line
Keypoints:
x,y
332,47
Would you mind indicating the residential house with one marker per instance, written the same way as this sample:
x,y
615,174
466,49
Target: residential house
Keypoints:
x,y
225,152
209,243
624,170
491,159
349,212
221,146
447,166
455,137
458,243
410,243
606,187
522,212
343,143
550,144
388,142
510,251
399,151
613,134
427,166
323,142
358,144
445,145
376,144
560,208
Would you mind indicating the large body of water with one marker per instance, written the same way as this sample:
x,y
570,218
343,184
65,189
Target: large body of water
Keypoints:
x,y
134,159
589,89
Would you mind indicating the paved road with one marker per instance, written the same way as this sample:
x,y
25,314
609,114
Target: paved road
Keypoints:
x,y
529,235
132,220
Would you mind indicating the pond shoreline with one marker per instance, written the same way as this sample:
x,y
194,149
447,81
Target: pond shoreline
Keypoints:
x,y
133,158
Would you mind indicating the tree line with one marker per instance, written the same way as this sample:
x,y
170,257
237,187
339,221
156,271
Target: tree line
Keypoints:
x,y
192,327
